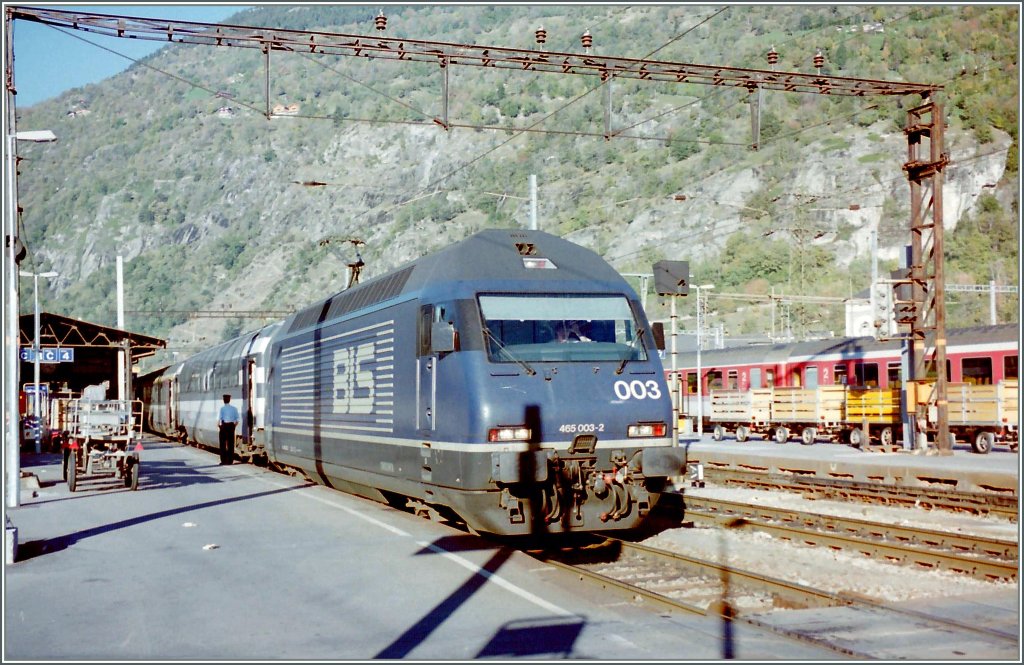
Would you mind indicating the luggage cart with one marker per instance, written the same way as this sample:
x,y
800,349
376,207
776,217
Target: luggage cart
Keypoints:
x,y
99,441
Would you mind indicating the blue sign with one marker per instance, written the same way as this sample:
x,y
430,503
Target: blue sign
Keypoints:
x,y
44,390
48,354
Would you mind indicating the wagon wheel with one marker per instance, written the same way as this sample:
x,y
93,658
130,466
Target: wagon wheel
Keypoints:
x,y
719,433
742,433
781,434
983,442
808,435
71,470
885,436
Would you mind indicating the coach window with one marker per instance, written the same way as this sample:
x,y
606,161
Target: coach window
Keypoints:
x,y
811,377
715,381
977,371
691,383
894,375
839,372
867,374
795,378
769,378
755,377
1010,367
733,380
930,374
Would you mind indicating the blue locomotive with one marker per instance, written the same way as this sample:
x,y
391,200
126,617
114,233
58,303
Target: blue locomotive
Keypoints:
x,y
510,380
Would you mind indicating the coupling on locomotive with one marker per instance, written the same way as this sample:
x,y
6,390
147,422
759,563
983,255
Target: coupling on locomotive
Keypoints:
x,y
511,380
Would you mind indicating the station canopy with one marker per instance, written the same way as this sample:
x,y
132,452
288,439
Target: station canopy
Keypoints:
x,y
74,353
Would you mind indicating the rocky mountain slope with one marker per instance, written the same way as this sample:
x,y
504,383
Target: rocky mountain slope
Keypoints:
x,y
173,166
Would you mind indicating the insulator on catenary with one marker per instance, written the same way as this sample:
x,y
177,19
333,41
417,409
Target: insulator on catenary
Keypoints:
x,y
819,60
773,56
542,35
381,21
587,40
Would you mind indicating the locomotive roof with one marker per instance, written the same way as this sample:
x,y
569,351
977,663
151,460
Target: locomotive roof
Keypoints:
x,y
496,256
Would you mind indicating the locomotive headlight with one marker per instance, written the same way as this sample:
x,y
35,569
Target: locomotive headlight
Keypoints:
x,y
508,433
646,430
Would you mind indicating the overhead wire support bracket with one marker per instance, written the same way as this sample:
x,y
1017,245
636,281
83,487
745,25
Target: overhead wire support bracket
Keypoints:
x,y
329,43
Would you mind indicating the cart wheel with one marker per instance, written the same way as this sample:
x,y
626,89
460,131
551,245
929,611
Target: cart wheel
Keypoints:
x,y
885,436
781,434
132,479
742,433
72,472
719,433
856,437
808,435
983,442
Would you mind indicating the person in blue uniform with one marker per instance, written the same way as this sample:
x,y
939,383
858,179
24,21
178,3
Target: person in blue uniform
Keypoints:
x,y
226,422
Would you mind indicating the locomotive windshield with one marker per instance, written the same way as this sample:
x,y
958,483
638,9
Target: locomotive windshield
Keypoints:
x,y
566,328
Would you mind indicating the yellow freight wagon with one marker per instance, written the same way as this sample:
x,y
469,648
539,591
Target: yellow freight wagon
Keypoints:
x,y
981,414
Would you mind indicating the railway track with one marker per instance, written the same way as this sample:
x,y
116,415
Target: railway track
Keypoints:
x,y
984,558
674,582
975,503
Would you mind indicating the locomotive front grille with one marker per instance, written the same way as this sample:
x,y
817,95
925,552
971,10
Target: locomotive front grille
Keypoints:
x,y
584,444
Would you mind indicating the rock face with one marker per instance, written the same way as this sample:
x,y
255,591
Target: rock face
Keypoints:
x,y
361,202
209,211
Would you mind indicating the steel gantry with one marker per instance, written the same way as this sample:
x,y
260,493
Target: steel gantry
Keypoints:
x,y
924,128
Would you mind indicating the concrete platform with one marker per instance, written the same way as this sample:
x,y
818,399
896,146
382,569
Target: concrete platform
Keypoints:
x,y
208,562
962,471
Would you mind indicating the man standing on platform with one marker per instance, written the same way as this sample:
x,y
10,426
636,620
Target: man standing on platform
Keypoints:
x,y
227,422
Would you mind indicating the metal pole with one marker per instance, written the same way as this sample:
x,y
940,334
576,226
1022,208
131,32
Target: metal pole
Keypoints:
x,y
874,275
120,325
676,396
533,202
992,302
35,345
700,375
13,333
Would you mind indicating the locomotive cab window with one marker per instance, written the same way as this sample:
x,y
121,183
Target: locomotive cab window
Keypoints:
x,y
564,328
430,315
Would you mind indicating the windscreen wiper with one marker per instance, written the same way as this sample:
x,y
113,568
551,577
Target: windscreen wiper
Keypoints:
x,y
638,340
508,354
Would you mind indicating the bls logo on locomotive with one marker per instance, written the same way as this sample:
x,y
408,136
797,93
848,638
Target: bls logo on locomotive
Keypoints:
x,y
354,386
